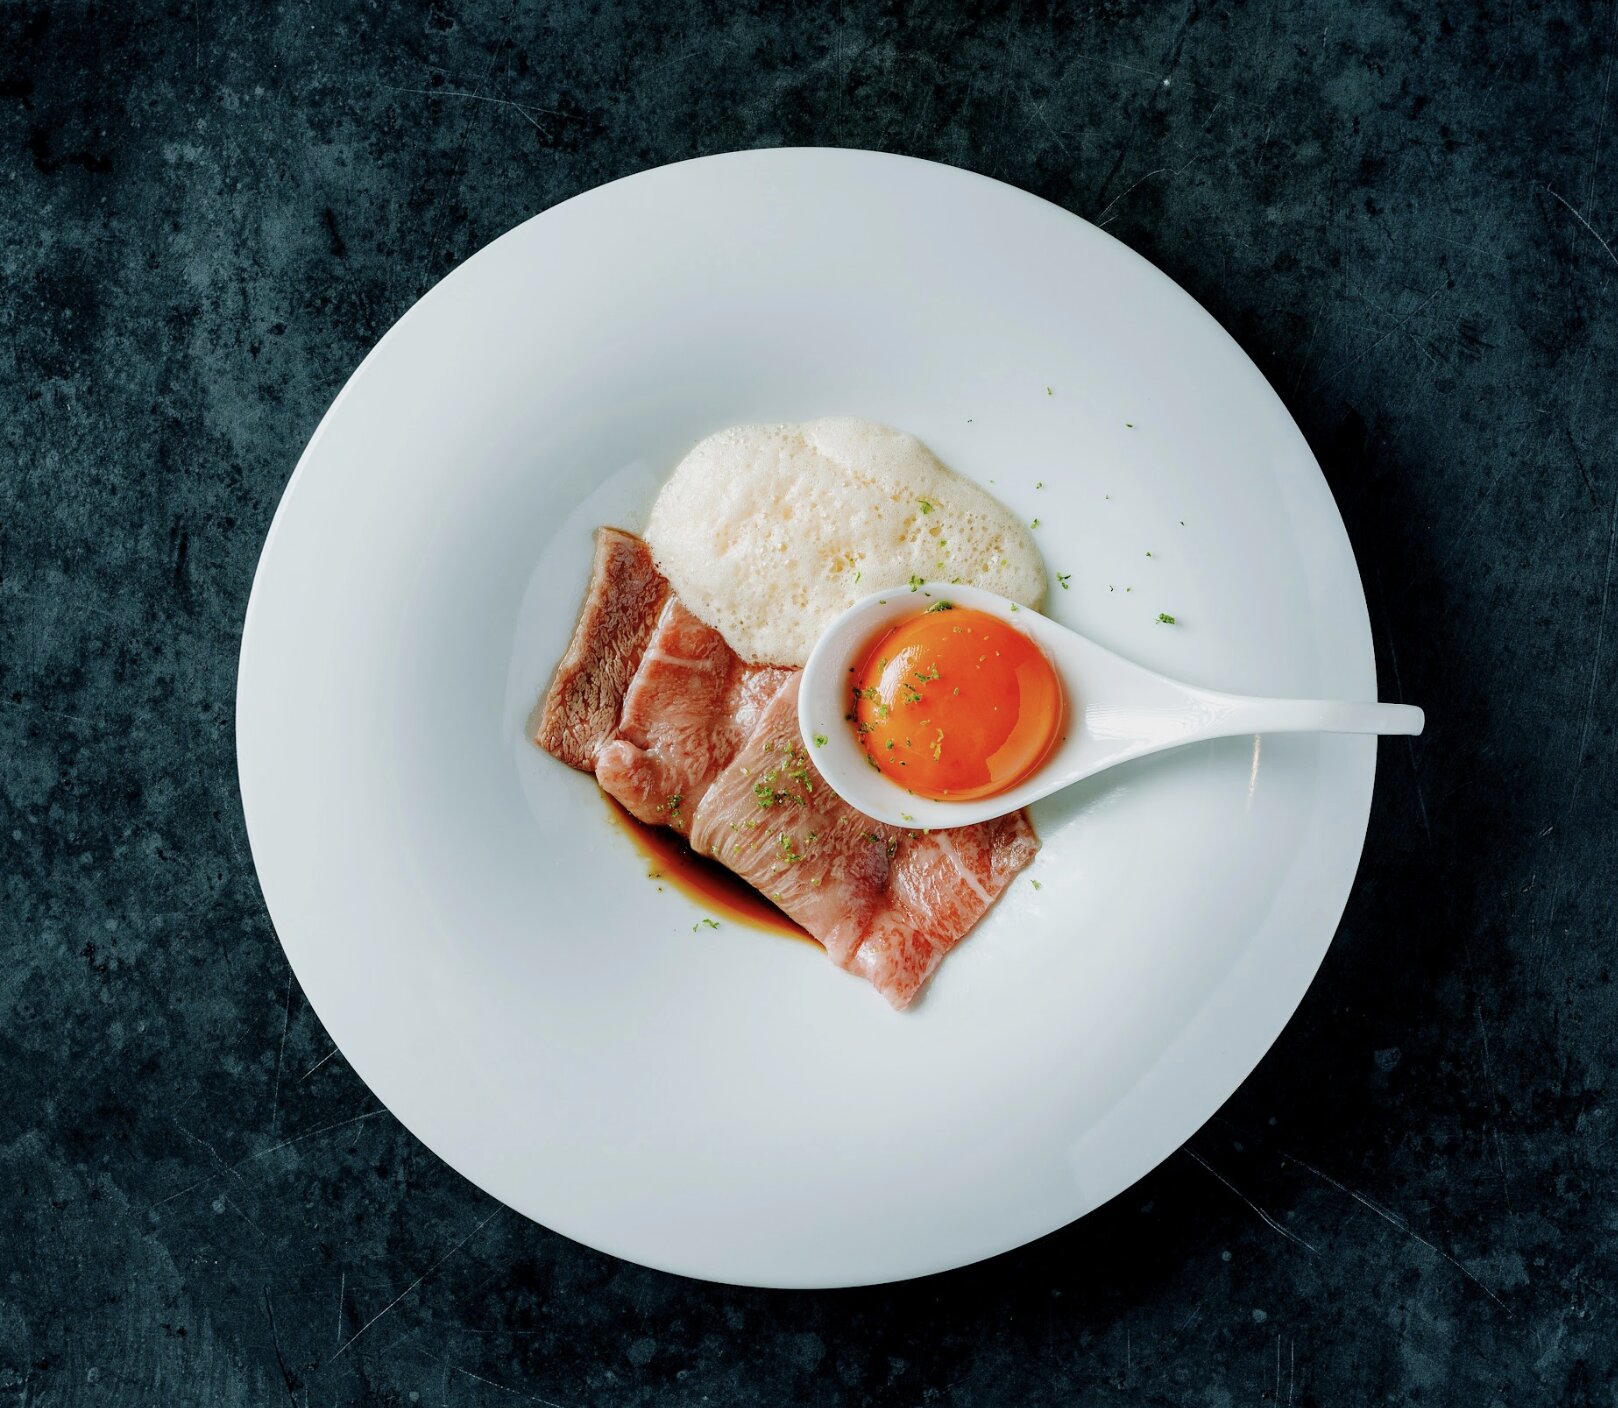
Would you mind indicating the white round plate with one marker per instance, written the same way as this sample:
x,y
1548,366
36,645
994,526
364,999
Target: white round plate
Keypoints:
x,y
483,943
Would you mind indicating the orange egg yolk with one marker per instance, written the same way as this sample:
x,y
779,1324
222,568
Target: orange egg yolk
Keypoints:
x,y
956,704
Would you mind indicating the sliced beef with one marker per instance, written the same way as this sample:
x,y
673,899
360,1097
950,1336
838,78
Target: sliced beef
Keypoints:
x,y
685,734
942,883
771,818
620,611
886,903
689,708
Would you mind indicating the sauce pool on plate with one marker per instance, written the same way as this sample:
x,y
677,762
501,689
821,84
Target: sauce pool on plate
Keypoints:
x,y
955,704
670,860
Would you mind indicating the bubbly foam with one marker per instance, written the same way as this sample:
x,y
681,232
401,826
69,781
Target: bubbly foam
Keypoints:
x,y
767,532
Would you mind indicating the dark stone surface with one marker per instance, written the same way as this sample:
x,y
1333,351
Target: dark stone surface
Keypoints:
x,y
1405,213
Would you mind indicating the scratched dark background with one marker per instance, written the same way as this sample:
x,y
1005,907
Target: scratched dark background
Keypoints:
x,y
1407,215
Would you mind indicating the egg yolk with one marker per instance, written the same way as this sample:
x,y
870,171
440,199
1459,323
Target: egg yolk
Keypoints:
x,y
956,704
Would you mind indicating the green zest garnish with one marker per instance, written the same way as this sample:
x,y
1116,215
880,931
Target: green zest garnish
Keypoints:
x,y
925,506
916,582
1164,619
1064,578
936,606
767,794
821,740
798,771
1034,524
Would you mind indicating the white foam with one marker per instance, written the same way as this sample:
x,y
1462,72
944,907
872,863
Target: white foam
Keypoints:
x,y
769,531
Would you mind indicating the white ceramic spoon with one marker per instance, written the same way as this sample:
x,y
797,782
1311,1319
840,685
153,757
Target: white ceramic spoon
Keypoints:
x,y
1117,710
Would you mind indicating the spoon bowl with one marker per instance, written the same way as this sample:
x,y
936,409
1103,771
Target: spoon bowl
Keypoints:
x,y
1116,710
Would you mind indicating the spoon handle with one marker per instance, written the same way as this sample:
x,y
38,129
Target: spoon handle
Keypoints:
x,y
1241,715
